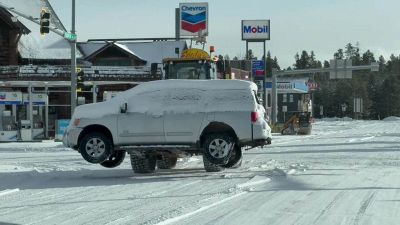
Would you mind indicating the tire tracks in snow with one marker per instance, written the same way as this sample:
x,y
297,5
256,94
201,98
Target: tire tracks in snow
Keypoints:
x,y
238,190
328,207
204,208
8,191
366,202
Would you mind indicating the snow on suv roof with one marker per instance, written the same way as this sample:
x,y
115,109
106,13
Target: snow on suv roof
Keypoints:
x,y
224,98
200,84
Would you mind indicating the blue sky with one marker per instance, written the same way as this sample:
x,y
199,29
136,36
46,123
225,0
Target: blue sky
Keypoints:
x,y
320,25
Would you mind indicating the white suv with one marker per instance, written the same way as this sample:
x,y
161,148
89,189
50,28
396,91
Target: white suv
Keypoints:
x,y
159,121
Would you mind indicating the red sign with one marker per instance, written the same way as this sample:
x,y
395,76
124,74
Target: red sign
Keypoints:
x,y
259,72
312,86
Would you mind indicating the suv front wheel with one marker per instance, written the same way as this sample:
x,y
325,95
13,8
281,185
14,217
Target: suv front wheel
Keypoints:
x,y
95,147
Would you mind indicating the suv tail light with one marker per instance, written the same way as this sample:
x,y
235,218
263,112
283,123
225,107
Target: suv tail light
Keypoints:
x,y
254,116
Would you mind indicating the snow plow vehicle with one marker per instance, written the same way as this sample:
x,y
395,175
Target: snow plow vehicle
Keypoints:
x,y
298,123
193,64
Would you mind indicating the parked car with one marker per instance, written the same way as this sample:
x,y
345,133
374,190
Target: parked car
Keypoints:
x,y
159,121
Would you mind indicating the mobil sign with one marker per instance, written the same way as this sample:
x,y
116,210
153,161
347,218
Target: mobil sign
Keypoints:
x,y
256,30
193,18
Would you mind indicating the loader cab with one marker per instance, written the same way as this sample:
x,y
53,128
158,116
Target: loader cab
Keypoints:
x,y
189,69
193,64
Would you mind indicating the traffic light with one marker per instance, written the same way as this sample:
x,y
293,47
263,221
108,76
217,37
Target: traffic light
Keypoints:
x,y
79,80
44,21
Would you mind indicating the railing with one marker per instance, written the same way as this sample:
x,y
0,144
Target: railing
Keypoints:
x,y
50,72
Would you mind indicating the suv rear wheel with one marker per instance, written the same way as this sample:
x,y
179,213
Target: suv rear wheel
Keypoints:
x,y
95,147
143,163
235,161
218,148
166,162
114,159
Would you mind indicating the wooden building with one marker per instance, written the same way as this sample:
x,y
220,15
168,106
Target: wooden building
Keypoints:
x,y
10,34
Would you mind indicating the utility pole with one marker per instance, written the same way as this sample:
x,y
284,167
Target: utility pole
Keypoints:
x,y
73,62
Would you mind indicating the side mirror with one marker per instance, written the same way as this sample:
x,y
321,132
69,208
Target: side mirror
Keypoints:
x,y
124,108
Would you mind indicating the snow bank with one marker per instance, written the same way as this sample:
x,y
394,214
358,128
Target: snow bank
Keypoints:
x,y
43,146
254,181
330,119
391,119
8,191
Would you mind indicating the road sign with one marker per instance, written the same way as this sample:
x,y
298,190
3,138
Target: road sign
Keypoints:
x,y
358,105
340,69
193,19
69,36
255,30
257,68
375,67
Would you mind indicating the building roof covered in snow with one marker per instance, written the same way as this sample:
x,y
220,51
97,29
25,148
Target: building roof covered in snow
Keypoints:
x,y
151,52
32,45
49,46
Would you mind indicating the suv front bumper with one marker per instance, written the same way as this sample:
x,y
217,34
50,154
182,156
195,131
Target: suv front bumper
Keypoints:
x,y
70,138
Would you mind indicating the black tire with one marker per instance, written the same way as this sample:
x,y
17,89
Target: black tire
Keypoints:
x,y
95,147
167,162
218,148
210,167
114,159
236,158
143,163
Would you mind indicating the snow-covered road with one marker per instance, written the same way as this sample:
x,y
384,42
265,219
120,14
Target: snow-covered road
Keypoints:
x,y
346,172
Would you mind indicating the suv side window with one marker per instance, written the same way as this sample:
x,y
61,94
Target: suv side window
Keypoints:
x,y
150,102
184,99
231,100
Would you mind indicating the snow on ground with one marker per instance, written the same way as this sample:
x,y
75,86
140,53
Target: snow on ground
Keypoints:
x,y
345,172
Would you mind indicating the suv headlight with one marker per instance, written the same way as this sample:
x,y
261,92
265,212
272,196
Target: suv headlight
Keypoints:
x,y
76,122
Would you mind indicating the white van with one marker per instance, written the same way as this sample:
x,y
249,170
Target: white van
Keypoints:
x,y
156,122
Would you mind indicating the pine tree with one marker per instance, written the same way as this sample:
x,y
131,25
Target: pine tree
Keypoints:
x,y
368,58
373,95
268,64
250,55
390,97
275,63
303,61
326,64
382,63
339,54
349,51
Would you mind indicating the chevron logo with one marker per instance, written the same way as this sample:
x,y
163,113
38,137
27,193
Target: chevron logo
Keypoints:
x,y
193,22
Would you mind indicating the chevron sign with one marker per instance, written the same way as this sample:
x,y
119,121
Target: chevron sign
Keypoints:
x,y
193,18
